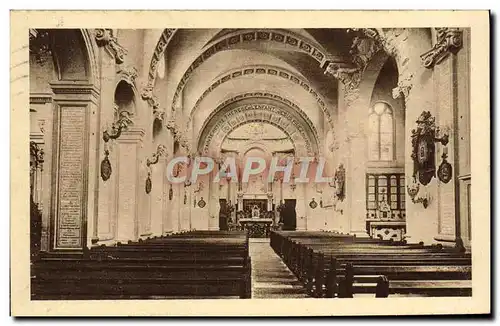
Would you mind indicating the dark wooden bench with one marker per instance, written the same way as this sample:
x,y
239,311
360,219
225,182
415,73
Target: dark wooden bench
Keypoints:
x,y
342,266
143,270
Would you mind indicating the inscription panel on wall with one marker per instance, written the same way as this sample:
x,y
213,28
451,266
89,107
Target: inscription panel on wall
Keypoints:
x,y
71,179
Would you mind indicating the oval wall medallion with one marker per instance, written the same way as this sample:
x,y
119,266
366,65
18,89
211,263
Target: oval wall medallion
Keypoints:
x,y
149,184
445,171
313,204
106,167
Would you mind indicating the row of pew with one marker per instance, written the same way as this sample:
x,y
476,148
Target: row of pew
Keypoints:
x,y
195,264
339,265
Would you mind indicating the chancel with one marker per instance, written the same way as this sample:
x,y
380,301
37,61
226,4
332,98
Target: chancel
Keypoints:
x,y
384,112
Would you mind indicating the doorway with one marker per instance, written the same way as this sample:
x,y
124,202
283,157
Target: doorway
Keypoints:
x,y
223,215
288,215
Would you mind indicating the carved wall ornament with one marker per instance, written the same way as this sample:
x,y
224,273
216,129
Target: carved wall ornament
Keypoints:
x,y
445,170
351,96
161,150
350,77
106,167
41,126
129,75
403,88
170,193
413,190
179,135
36,156
118,126
116,130
448,40
364,46
383,40
185,197
423,140
104,37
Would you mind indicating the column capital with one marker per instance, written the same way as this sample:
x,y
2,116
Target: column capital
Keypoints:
x,y
404,87
105,38
349,76
448,40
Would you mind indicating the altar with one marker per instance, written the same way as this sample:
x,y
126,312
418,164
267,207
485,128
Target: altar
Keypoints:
x,y
256,226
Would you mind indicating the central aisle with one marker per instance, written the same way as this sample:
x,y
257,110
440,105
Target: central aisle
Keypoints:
x,y
271,279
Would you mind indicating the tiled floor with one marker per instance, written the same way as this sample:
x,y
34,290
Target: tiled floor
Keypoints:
x,y
270,276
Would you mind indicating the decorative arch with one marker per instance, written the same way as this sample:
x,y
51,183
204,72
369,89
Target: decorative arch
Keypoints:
x,y
159,51
259,95
91,47
271,71
220,125
232,40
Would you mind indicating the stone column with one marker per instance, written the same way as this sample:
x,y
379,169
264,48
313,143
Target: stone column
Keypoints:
x,y
355,162
213,204
416,86
129,183
446,96
157,196
300,208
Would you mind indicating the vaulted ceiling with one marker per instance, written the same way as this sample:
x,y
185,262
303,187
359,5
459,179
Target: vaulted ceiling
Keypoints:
x,y
210,69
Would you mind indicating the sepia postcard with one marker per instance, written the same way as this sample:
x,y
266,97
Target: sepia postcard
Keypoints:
x,y
250,163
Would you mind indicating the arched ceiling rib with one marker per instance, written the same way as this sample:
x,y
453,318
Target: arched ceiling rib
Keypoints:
x,y
232,114
268,41
263,97
272,74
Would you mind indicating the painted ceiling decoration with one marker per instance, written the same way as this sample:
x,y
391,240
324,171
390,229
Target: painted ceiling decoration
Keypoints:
x,y
258,95
272,71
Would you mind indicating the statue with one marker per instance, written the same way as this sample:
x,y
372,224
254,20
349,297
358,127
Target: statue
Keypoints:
x,y
255,212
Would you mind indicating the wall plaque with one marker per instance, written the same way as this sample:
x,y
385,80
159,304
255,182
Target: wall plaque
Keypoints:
x,y
71,181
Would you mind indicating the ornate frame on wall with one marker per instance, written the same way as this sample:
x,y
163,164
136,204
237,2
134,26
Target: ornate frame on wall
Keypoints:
x,y
423,140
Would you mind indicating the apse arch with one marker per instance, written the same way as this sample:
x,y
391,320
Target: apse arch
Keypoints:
x,y
269,101
274,98
225,121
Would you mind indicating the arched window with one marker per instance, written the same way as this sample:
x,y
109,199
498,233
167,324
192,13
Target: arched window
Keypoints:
x,y
381,133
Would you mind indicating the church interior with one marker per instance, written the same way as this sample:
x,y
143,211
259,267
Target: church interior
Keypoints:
x,y
386,110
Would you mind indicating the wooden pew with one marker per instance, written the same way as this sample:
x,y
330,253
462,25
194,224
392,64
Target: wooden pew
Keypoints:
x,y
341,266
148,269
